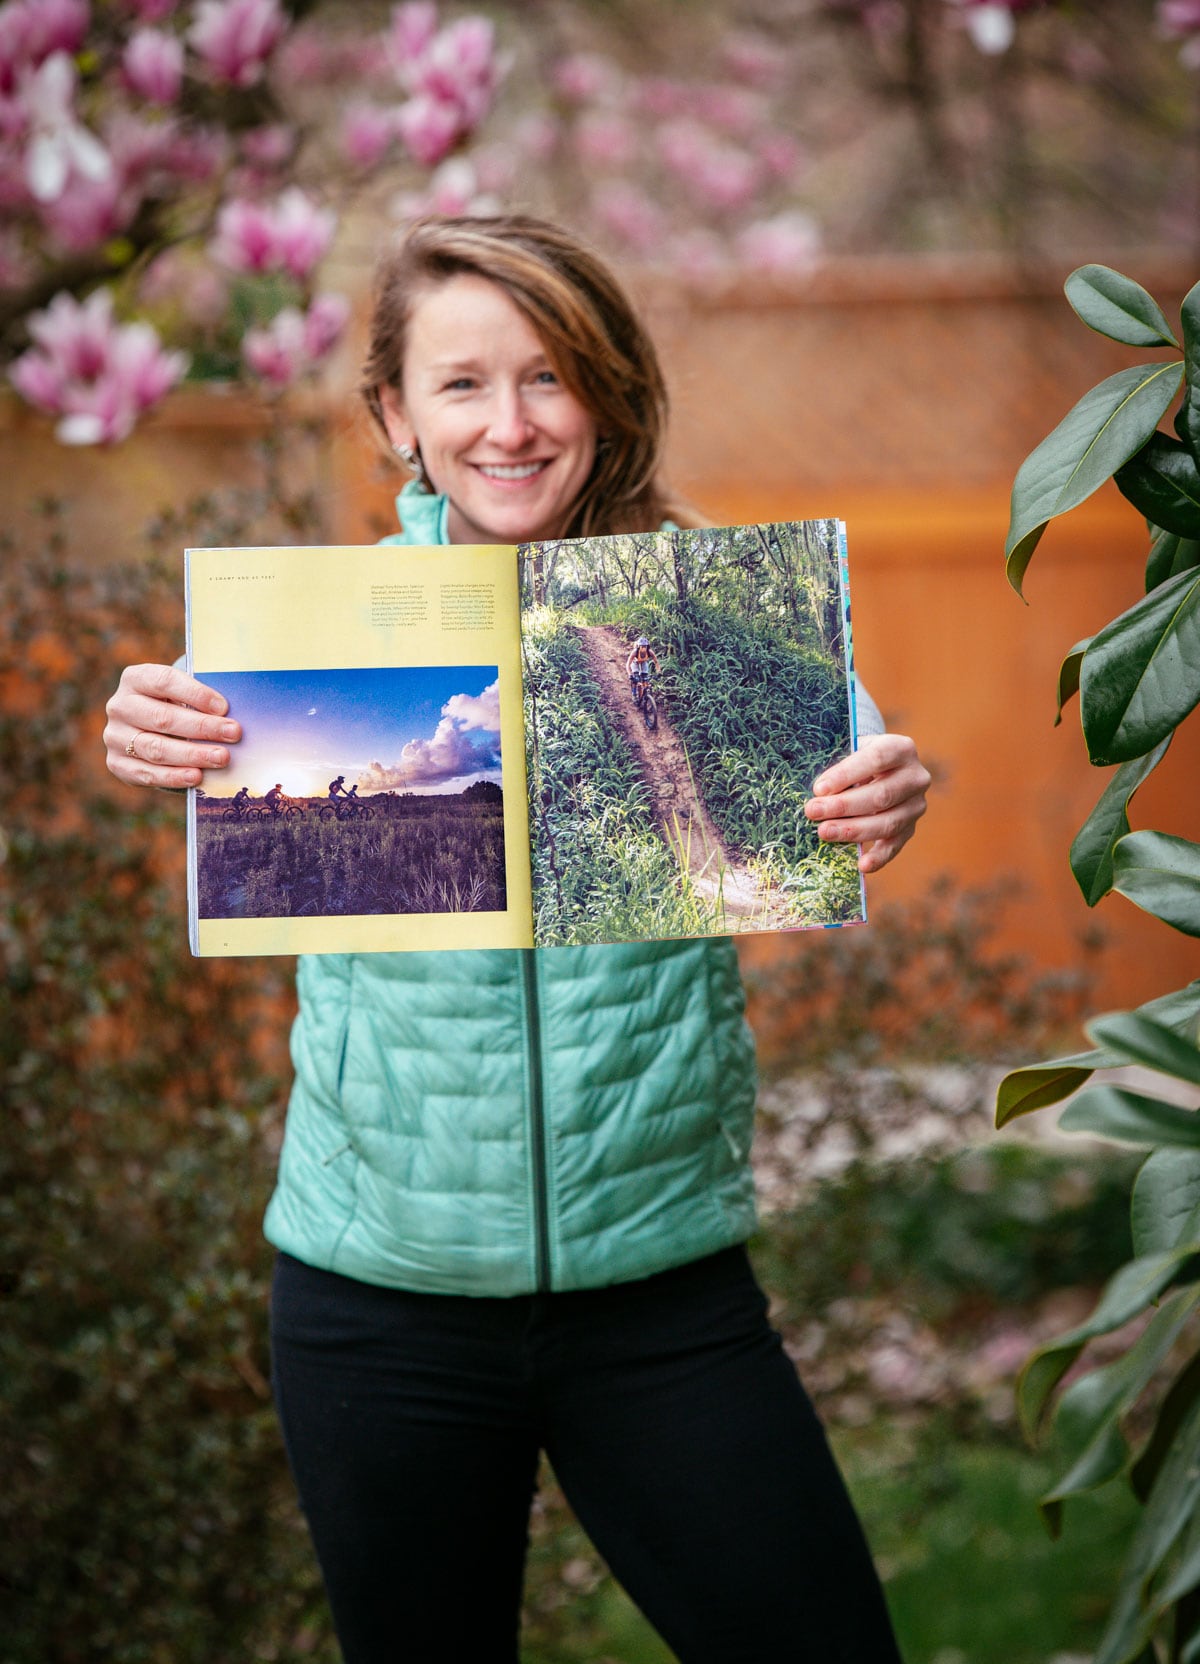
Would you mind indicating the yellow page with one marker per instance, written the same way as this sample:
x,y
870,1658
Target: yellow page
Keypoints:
x,y
377,801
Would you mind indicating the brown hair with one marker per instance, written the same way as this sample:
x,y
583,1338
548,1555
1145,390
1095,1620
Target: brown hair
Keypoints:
x,y
589,330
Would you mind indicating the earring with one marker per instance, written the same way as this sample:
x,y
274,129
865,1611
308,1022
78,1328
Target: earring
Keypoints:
x,y
411,460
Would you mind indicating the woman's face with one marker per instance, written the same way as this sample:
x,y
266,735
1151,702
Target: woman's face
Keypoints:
x,y
498,432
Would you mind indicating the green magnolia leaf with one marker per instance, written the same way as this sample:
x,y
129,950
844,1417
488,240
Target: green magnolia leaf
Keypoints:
x,y
1087,447
1088,1414
1144,1039
1165,1193
1130,1118
1118,307
1187,423
1163,482
1169,556
1172,1414
1141,674
1092,850
1068,675
1166,1517
1185,1574
1160,874
1037,1085
1134,1287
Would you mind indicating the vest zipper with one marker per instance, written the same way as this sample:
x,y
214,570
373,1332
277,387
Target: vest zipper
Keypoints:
x,y
537,1120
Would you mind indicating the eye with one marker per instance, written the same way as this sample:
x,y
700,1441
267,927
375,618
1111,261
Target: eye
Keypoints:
x,y
460,384
546,378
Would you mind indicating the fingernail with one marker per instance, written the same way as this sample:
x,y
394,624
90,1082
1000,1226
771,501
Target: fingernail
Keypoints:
x,y
217,759
229,730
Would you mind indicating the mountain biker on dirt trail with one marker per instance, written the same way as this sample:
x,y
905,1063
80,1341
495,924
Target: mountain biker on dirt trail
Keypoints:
x,y
241,798
637,667
337,788
275,797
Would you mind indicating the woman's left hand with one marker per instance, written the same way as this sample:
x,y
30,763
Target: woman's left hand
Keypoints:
x,y
873,798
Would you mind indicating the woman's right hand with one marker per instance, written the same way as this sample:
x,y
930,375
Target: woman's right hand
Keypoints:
x,y
174,724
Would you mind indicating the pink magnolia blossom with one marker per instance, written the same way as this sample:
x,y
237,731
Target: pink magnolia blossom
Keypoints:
x,y
152,65
629,214
586,78
786,243
410,33
453,189
460,68
96,375
88,212
721,175
16,52
277,354
57,26
291,235
59,144
428,129
367,134
605,138
324,324
293,342
236,37
302,232
245,239
1176,18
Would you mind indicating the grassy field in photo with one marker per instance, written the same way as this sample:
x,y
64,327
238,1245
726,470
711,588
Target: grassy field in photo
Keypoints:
x,y
752,681
410,854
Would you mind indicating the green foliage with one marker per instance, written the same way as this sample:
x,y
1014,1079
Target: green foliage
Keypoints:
x,y
447,859
146,1510
1138,678
600,869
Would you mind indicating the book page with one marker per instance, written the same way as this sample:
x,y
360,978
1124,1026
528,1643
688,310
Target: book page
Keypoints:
x,y
683,690
377,799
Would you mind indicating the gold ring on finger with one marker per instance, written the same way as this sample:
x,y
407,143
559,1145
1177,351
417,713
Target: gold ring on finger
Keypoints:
x,y
131,748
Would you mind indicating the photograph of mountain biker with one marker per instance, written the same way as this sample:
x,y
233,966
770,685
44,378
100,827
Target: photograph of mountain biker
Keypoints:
x,y
637,667
515,1190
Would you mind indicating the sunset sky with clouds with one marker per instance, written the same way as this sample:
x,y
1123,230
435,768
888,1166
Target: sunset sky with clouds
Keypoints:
x,y
416,730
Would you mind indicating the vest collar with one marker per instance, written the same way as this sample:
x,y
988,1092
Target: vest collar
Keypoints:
x,y
422,515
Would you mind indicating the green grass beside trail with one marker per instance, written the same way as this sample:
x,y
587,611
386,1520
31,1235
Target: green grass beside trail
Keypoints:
x,y
761,717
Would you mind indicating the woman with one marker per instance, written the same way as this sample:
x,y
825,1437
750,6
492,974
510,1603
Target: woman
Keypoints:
x,y
514,1190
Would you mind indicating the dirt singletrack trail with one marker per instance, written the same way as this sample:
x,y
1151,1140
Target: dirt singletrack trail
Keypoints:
x,y
679,811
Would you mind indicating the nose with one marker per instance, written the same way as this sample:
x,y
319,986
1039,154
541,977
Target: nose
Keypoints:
x,y
509,427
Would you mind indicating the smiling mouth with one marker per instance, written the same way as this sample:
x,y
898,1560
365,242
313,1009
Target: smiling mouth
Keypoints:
x,y
510,470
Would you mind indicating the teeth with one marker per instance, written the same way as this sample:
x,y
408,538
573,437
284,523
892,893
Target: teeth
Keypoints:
x,y
510,471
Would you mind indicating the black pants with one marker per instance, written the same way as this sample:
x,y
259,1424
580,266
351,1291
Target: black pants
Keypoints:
x,y
675,1425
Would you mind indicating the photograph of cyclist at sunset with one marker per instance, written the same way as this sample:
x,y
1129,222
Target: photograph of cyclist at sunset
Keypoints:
x,y
356,792
683,690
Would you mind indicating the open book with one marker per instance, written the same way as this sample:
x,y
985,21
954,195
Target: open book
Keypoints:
x,y
602,740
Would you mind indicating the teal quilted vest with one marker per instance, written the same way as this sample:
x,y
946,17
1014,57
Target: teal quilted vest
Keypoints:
x,y
502,1121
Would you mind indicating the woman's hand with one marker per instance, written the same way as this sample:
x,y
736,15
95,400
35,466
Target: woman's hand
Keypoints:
x,y
873,798
164,727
